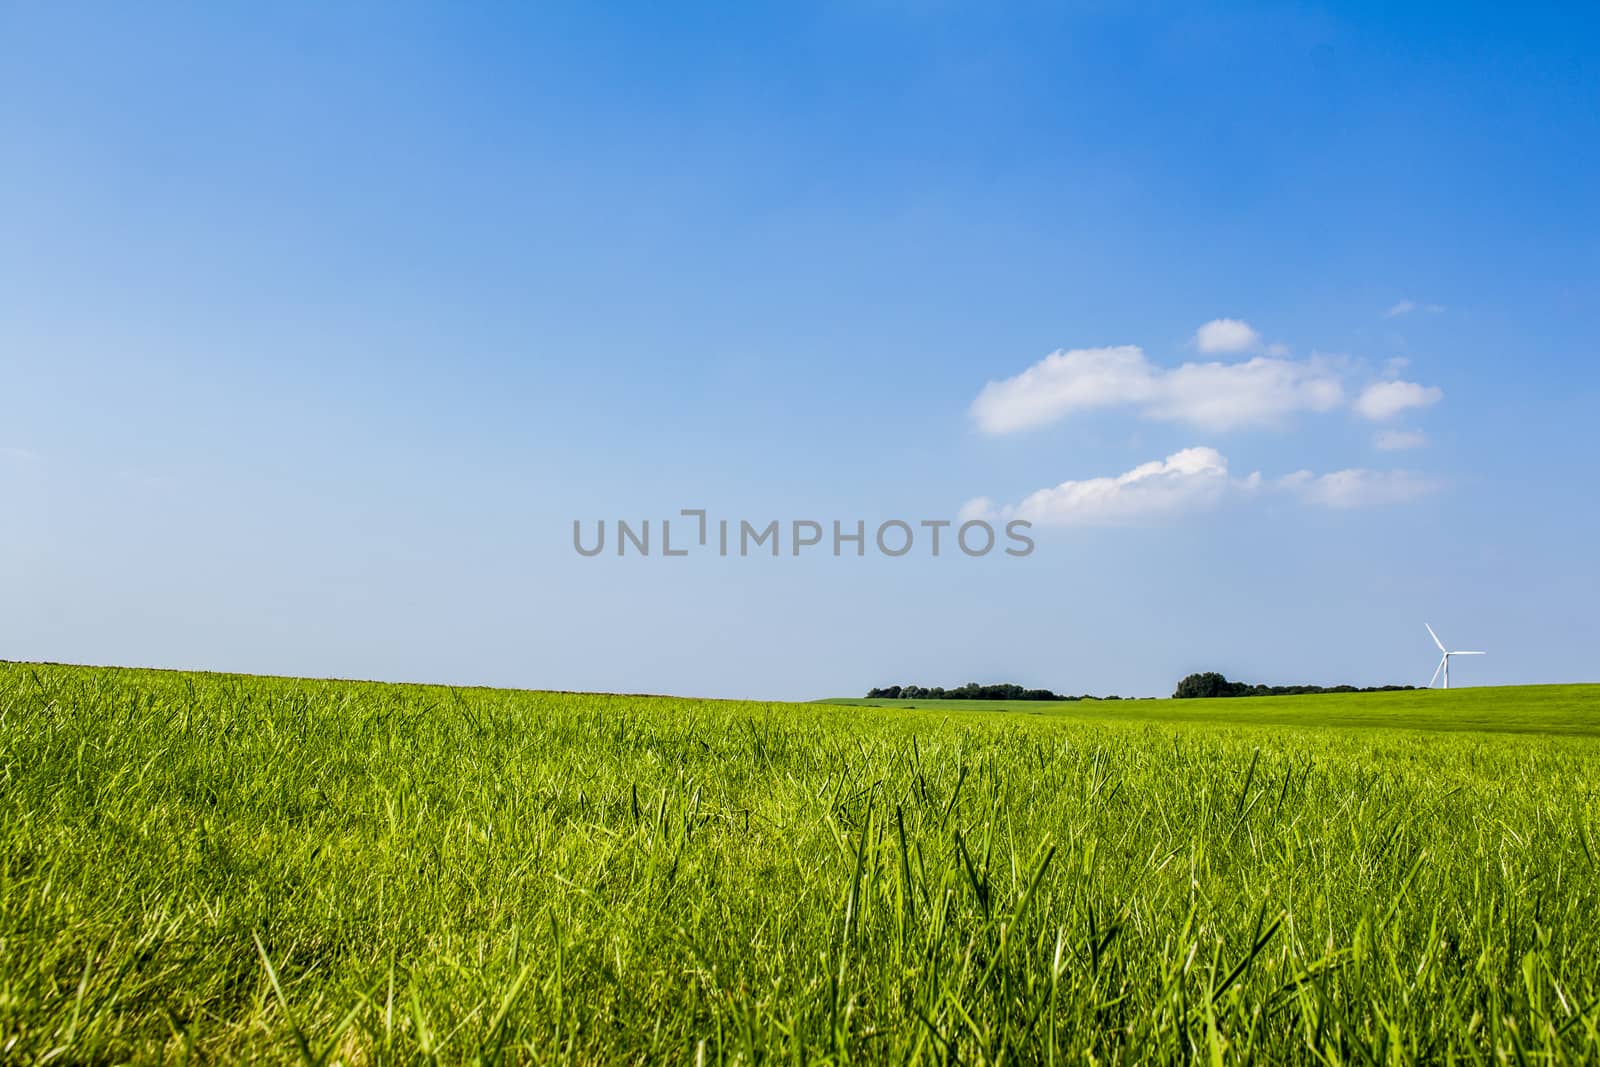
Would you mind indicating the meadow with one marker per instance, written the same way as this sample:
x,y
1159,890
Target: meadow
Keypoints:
x,y
215,868
1526,709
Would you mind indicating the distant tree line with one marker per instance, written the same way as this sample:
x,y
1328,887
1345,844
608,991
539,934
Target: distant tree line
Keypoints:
x,y
1212,684
972,691
1206,684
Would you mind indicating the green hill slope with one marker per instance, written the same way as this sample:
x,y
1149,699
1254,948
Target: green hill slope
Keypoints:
x,y
219,868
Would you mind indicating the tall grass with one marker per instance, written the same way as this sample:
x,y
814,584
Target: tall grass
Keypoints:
x,y
218,867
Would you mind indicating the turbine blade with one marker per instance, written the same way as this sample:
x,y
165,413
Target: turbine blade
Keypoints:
x,y
1435,637
1469,653
1436,671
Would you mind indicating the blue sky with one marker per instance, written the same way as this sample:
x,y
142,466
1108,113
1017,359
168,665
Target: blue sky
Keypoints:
x,y
318,329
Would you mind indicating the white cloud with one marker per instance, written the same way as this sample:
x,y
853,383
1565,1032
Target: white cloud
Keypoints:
x,y
1192,480
1406,307
1226,335
1383,400
1185,481
1214,396
977,508
1263,390
1357,488
1395,440
1063,382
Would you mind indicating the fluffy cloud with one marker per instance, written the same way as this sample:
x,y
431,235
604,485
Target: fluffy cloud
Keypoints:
x,y
977,508
1184,481
1406,307
1064,382
1395,440
1188,481
1226,335
1221,396
1357,488
1213,396
1264,389
1383,400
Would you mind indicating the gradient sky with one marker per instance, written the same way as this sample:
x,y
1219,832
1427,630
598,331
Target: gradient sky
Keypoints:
x,y
320,325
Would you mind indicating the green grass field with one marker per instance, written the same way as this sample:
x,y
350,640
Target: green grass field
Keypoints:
x,y
1528,709
216,868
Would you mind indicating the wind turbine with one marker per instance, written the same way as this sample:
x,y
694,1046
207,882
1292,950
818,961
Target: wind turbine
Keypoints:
x,y
1444,661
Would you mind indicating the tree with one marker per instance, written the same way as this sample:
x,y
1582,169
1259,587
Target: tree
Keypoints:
x,y
1207,684
1212,684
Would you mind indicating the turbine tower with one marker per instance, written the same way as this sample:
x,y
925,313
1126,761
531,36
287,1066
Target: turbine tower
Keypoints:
x,y
1444,661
